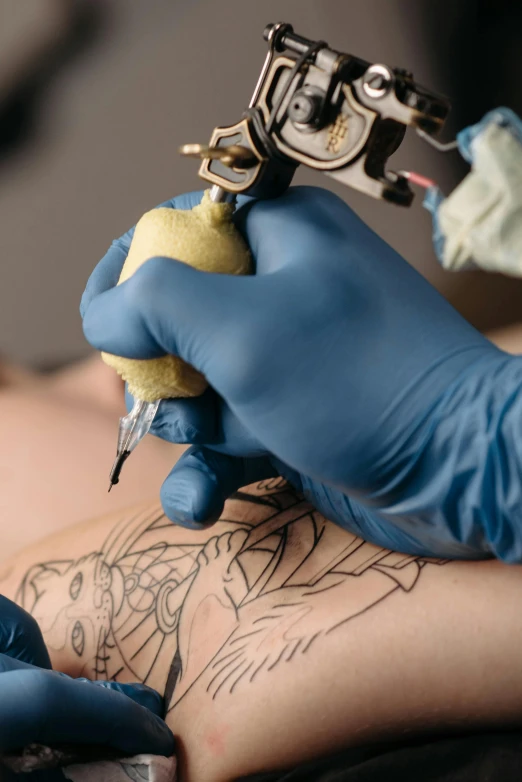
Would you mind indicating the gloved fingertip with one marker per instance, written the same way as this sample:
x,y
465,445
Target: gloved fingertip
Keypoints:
x,y
139,693
131,727
151,735
191,499
194,493
107,272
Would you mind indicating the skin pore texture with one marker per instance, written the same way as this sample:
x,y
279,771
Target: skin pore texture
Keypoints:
x,y
275,635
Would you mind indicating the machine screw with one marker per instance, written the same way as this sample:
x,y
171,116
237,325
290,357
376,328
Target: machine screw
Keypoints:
x,y
305,106
377,81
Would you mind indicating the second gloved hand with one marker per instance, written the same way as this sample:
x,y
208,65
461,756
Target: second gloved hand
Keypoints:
x,y
338,364
39,705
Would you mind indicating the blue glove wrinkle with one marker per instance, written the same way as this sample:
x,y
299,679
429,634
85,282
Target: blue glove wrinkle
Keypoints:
x,y
140,693
432,201
41,706
107,272
45,706
20,636
185,420
194,493
469,502
342,363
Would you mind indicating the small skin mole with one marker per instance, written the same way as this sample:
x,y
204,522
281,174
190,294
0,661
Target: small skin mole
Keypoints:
x,y
215,740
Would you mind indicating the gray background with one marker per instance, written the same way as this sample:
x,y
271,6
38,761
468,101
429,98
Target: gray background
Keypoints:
x,y
162,73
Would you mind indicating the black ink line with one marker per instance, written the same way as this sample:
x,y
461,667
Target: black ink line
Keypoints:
x,y
158,652
243,673
228,655
277,658
147,615
364,610
232,604
258,669
265,618
147,641
253,499
310,642
294,650
324,589
225,679
245,635
223,668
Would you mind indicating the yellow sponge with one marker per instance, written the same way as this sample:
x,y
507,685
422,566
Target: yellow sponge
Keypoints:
x,y
203,237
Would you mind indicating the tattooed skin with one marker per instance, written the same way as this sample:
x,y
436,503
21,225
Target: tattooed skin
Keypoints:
x,y
148,608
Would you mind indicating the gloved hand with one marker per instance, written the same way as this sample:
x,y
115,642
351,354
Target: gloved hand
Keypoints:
x,y
338,365
43,706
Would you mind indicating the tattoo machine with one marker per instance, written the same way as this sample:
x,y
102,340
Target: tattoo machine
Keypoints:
x,y
313,106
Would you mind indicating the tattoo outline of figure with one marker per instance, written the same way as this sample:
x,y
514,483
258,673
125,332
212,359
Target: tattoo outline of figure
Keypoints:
x,y
249,599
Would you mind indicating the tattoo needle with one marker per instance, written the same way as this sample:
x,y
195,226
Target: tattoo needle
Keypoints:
x,y
133,428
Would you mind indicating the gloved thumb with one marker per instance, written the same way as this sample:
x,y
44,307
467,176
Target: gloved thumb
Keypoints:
x,y
20,636
194,493
169,307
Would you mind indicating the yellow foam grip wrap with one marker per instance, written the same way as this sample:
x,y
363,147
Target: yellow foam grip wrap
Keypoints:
x,y
203,237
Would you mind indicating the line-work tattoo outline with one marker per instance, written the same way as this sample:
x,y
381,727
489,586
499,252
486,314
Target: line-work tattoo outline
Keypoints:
x,y
274,579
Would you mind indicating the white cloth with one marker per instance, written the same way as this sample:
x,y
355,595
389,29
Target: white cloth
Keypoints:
x,y
482,218
140,768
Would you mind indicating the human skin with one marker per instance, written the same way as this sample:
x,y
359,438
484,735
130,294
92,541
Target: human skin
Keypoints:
x,y
400,646
275,635
57,445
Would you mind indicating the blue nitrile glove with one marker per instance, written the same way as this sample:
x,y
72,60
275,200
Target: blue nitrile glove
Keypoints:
x,y
44,706
339,365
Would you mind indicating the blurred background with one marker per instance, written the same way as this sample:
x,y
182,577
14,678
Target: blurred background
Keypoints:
x,y
96,96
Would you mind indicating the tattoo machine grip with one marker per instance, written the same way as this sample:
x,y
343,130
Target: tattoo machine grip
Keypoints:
x,y
203,237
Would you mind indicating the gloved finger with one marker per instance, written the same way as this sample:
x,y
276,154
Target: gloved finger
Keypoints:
x,y
8,664
410,536
206,420
139,693
194,493
183,421
108,270
291,228
145,696
44,707
169,307
20,636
